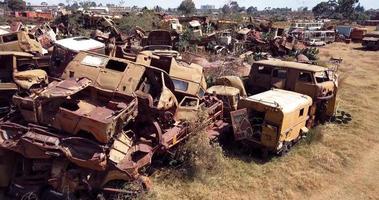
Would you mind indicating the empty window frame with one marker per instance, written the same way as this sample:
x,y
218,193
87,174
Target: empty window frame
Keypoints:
x,y
10,38
180,85
305,77
264,70
116,65
279,73
301,113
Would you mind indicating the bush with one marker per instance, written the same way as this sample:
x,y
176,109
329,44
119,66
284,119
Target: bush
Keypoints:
x,y
147,20
198,156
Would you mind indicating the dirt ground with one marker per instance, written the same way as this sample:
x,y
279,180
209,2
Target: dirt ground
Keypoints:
x,y
343,164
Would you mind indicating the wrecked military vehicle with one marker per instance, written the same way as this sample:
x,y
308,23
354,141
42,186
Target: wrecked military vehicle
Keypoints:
x,y
188,78
371,40
18,74
65,50
273,120
21,41
101,124
71,138
320,83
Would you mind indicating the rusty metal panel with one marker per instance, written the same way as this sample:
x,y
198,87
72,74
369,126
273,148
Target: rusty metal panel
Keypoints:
x,y
241,124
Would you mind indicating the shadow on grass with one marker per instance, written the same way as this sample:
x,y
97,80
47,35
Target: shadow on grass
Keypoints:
x,y
364,49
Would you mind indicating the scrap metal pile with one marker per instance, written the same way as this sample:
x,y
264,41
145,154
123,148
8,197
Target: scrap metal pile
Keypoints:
x,y
82,117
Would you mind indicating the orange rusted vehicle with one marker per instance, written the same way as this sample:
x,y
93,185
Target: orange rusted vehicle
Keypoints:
x,y
100,125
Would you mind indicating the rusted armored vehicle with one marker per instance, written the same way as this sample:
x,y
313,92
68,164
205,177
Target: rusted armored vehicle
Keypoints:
x,y
18,74
195,28
74,133
158,39
188,78
70,137
230,96
65,50
21,41
171,24
74,107
320,83
371,40
273,120
124,76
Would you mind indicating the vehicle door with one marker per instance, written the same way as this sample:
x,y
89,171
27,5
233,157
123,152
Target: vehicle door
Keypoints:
x,y
110,76
6,73
242,128
305,84
260,77
188,108
279,78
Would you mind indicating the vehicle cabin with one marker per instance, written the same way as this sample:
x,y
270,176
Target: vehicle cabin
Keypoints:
x,y
188,78
16,72
228,95
225,38
172,24
195,27
158,39
123,76
66,49
319,83
326,36
371,40
22,42
273,120
307,25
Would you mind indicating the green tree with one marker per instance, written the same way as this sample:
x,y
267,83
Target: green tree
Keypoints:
x,y
16,5
158,9
226,9
187,7
252,9
347,8
325,9
341,9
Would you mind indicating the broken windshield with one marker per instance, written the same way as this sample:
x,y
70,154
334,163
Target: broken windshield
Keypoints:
x,y
321,77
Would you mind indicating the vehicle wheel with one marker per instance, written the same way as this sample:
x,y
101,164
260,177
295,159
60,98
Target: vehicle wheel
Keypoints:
x,y
265,154
285,149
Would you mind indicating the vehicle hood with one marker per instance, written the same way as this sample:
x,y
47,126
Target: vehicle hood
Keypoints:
x,y
26,79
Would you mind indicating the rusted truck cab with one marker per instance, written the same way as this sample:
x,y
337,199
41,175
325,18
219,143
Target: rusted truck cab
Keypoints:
x,y
228,95
371,40
65,50
124,76
320,83
21,41
75,107
273,120
18,73
188,78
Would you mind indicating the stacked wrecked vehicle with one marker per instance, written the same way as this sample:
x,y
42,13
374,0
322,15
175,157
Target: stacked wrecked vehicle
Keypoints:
x,y
100,122
92,120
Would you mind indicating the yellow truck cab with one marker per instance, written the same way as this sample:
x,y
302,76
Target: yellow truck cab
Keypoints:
x,y
21,41
17,72
228,95
273,120
188,78
320,83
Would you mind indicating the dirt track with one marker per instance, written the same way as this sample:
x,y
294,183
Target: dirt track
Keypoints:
x,y
344,164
